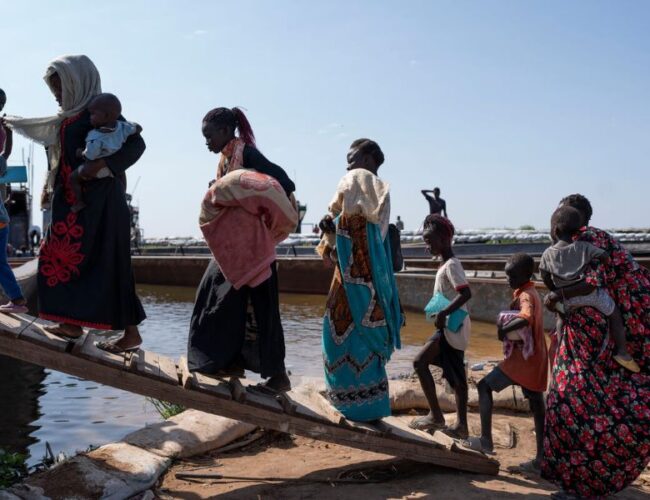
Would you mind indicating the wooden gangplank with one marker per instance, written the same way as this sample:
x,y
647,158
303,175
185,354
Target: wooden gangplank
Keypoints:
x,y
301,413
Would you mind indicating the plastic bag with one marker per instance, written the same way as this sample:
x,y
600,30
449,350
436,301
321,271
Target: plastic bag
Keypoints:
x,y
439,302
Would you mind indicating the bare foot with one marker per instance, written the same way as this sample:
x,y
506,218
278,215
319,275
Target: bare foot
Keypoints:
x,y
113,348
624,355
130,339
457,431
479,444
65,330
279,383
427,423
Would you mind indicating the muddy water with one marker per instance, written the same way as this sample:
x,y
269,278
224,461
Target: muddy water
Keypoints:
x,y
302,322
72,414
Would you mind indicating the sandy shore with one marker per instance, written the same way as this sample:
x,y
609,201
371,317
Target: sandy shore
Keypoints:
x,y
281,456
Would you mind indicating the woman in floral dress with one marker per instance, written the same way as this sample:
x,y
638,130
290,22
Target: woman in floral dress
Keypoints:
x,y
597,436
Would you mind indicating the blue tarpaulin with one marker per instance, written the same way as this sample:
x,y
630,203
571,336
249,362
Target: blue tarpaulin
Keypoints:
x,y
15,174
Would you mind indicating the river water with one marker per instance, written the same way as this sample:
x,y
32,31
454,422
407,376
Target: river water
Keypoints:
x,y
72,414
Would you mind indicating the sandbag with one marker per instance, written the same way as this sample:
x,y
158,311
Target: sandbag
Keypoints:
x,y
408,395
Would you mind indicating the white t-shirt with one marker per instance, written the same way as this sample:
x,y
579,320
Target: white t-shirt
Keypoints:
x,y
450,278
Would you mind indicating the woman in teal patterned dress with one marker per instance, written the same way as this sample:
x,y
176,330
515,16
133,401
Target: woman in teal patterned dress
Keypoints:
x,y
361,327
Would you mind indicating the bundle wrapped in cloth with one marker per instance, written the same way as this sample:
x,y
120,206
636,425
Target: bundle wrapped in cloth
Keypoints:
x,y
244,215
522,336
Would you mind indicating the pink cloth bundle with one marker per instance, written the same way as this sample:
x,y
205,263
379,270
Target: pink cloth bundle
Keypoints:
x,y
523,335
244,215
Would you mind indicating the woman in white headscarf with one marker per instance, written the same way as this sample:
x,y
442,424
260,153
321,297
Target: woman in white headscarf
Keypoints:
x,y
84,272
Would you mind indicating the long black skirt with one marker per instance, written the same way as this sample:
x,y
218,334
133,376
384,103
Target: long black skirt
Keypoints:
x,y
84,269
236,328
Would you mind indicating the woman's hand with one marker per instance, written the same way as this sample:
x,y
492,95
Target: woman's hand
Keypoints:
x,y
45,198
551,299
327,224
441,320
89,170
330,257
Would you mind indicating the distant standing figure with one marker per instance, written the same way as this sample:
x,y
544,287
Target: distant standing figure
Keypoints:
x,y
436,204
6,135
399,224
34,238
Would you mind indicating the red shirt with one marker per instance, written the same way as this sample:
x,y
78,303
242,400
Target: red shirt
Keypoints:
x,y
530,373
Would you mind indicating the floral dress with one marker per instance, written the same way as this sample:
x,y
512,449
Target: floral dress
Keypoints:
x,y
597,436
629,285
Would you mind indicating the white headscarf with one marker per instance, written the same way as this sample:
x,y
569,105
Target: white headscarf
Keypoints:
x,y
80,82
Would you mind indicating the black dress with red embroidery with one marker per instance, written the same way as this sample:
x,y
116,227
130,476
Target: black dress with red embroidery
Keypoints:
x,y
84,269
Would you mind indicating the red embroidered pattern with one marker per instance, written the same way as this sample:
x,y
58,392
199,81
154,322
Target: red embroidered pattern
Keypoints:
x,y
60,253
79,322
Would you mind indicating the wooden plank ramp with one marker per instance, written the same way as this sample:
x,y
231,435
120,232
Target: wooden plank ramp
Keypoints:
x,y
298,412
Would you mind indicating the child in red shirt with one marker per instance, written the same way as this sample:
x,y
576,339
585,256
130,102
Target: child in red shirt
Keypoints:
x,y
529,372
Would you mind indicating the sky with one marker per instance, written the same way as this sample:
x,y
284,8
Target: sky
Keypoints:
x,y
507,106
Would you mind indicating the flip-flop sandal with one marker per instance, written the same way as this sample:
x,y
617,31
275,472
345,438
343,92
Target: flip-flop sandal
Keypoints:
x,y
417,423
115,349
474,443
57,331
628,364
262,388
11,308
